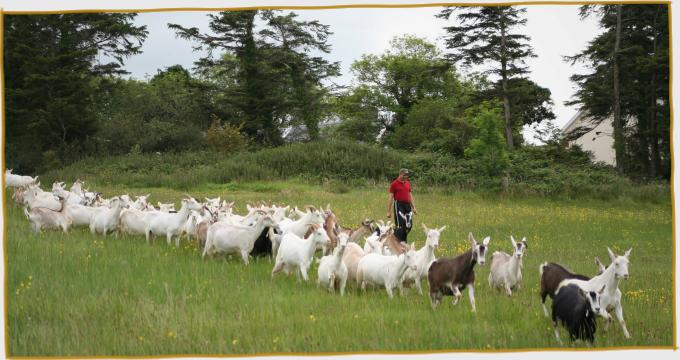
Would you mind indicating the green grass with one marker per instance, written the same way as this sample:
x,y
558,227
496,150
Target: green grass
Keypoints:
x,y
86,295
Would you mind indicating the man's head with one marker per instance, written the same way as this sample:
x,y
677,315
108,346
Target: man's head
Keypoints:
x,y
403,174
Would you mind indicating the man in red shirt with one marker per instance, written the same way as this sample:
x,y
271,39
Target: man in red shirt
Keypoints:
x,y
401,205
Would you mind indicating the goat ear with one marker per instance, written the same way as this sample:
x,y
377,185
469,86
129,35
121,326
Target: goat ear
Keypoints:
x,y
472,239
524,241
611,254
514,243
486,241
627,254
424,227
441,228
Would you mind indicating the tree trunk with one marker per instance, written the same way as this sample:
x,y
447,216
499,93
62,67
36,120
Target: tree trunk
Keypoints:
x,y
504,76
655,161
619,145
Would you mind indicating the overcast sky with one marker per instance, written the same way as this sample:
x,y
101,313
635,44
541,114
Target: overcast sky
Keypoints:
x,y
555,31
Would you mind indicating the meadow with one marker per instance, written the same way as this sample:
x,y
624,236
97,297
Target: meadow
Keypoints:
x,y
84,295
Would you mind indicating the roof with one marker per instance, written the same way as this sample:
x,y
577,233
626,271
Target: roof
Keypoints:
x,y
567,127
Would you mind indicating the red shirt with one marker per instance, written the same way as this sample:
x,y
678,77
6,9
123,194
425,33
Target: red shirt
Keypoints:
x,y
401,190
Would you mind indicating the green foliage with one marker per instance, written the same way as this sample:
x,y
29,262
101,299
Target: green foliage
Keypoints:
x,y
225,138
52,79
488,35
410,71
275,82
488,148
432,125
549,171
169,112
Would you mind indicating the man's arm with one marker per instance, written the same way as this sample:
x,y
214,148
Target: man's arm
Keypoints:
x,y
413,204
390,203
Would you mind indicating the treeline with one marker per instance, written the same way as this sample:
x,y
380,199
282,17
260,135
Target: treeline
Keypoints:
x,y
266,83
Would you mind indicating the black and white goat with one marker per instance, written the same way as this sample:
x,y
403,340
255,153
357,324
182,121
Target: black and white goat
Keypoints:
x,y
577,310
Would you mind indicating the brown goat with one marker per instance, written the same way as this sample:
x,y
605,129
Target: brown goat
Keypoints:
x,y
448,276
552,274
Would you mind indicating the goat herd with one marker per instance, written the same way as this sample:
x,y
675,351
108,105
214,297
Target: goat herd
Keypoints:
x,y
292,237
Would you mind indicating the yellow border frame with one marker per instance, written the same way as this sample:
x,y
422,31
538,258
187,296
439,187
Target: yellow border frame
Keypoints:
x,y
673,347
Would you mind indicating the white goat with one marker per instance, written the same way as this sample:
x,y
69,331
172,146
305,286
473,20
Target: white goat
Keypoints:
x,y
424,257
332,271
225,237
34,196
71,197
80,215
46,218
384,270
105,219
611,298
170,224
506,270
296,252
13,180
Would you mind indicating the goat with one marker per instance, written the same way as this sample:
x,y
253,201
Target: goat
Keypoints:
x,y
34,196
169,207
448,276
202,228
611,299
170,224
71,197
225,237
552,274
385,270
105,219
576,310
47,218
424,257
13,180
351,257
296,252
332,271
80,215
506,270
298,227
131,221
364,229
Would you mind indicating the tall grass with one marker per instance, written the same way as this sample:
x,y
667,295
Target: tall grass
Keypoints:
x,y
86,295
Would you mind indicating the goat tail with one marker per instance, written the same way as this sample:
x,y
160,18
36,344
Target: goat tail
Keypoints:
x,y
541,267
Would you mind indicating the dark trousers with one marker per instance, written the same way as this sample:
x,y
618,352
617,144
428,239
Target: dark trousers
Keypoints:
x,y
403,215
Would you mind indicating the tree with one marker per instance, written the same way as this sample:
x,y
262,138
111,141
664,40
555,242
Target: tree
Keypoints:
x,y
169,112
629,82
485,36
393,82
487,147
53,66
529,103
277,83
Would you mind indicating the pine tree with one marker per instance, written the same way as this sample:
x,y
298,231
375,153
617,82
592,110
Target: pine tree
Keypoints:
x,y
629,83
487,36
277,83
53,71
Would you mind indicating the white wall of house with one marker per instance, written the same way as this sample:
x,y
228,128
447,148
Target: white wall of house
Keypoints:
x,y
599,141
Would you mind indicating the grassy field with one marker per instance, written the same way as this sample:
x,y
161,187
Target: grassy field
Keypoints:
x,y
86,295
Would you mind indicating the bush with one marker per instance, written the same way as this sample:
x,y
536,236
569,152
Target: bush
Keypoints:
x,y
340,166
225,138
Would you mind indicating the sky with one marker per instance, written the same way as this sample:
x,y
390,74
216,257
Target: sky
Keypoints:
x,y
555,31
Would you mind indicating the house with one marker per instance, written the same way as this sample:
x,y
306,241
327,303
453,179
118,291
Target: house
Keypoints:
x,y
599,140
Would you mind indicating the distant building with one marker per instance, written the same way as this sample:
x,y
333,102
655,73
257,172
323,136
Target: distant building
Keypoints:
x,y
599,140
